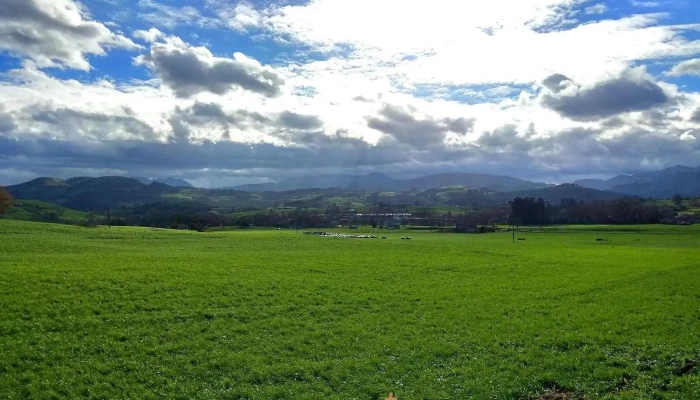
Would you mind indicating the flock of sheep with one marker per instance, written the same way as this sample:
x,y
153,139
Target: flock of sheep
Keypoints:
x,y
342,235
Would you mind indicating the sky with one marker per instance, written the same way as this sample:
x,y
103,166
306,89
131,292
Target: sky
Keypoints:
x,y
228,92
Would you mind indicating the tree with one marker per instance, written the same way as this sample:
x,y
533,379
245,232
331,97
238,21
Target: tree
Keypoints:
x,y
529,210
6,201
243,222
678,199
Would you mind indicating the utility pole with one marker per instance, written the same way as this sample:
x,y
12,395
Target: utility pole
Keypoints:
x,y
109,220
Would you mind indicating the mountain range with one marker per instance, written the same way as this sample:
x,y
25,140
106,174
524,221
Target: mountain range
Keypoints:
x,y
452,189
174,182
658,184
110,192
381,182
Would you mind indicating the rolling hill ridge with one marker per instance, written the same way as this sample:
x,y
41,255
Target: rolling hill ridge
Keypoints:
x,y
379,181
104,193
658,184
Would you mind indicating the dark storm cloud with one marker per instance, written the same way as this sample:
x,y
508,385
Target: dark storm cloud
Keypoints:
x,y
555,82
586,151
504,139
505,150
7,122
419,133
92,142
54,31
461,125
209,110
201,114
92,124
293,120
322,151
603,100
191,70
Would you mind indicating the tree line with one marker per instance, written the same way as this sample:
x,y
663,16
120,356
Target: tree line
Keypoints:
x,y
531,211
520,211
6,201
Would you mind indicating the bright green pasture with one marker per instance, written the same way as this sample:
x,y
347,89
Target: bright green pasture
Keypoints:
x,y
264,314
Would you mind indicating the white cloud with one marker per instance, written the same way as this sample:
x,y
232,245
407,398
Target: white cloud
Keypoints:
x,y
241,17
190,70
495,42
599,8
687,67
169,17
150,35
646,4
459,89
55,33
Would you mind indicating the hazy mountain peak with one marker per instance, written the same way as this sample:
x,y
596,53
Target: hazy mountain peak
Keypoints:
x,y
660,184
175,182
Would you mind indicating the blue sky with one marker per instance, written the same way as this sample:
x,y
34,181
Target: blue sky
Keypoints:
x,y
257,91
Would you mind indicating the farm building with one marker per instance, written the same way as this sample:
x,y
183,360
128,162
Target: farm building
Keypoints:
x,y
392,223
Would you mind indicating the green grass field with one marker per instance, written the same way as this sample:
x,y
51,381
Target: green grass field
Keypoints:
x,y
28,210
266,314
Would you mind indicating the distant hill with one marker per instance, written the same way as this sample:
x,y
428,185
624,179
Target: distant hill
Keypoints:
x,y
498,183
174,182
89,193
373,181
554,194
381,182
120,193
658,184
34,210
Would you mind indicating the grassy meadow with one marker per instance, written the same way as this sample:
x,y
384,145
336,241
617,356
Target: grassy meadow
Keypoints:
x,y
34,210
264,314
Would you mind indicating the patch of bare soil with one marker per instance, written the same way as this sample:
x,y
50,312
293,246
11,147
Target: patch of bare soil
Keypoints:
x,y
687,367
559,395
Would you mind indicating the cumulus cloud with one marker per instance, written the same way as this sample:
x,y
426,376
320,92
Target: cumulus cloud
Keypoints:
x,y
189,70
461,125
241,18
293,120
205,111
603,99
403,125
78,125
184,122
524,40
688,67
506,148
150,35
55,33
185,156
556,82
695,117
405,128
573,150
